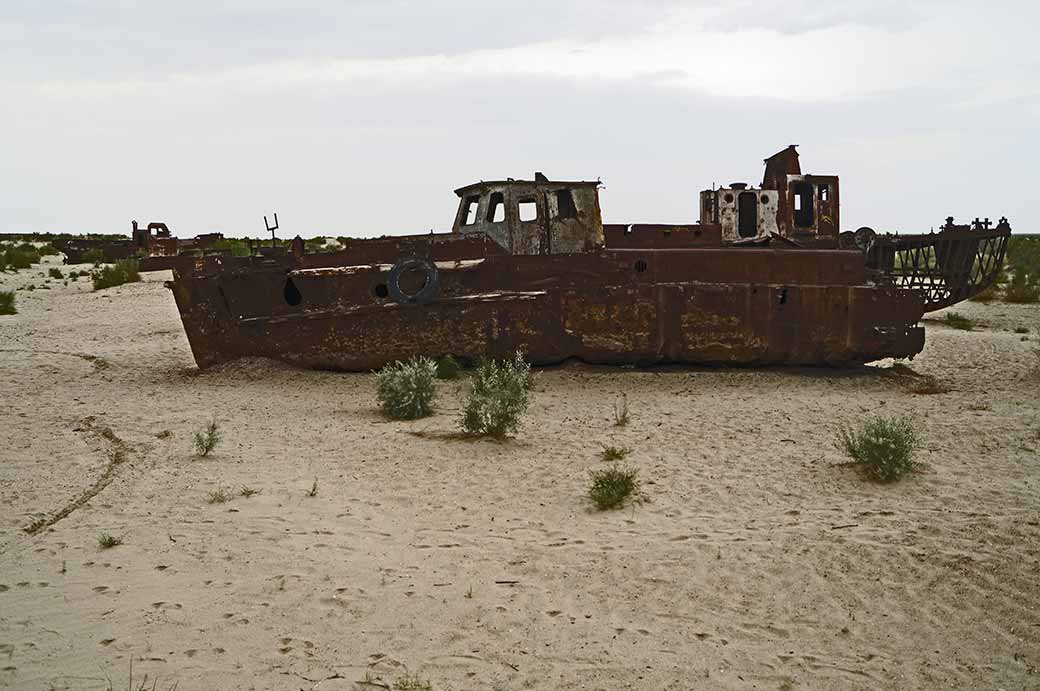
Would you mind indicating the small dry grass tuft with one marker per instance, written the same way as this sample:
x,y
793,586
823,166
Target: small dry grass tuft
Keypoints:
x,y
218,496
928,385
615,453
106,541
412,682
621,410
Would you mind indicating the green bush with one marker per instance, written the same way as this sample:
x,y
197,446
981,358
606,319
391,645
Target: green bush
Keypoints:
x,y
614,453
123,271
955,320
406,390
1020,291
56,273
48,250
7,302
612,486
883,447
94,256
206,440
498,398
20,257
448,368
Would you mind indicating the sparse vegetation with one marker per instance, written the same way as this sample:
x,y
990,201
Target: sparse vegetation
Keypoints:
x,y
94,256
412,682
206,440
20,257
218,496
621,410
248,492
313,491
48,250
498,399
612,486
406,390
7,302
928,385
141,685
955,320
614,453
123,271
106,541
1020,290
884,448
55,272
448,368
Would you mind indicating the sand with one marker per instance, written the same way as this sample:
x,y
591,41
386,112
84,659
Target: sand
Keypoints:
x,y
757,560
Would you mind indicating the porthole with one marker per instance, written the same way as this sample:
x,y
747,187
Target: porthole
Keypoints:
x,y
382,291
729,198
765,199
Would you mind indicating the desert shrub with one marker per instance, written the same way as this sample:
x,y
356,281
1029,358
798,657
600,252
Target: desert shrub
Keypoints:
x,y
123,271
55,272
883,447
218,496
412,682
94,256
206,440
18,258
610,487
106,541
928,385
498,398
1020,291
621,410
448,368
406,390
614,453
7,302
48,250
956,320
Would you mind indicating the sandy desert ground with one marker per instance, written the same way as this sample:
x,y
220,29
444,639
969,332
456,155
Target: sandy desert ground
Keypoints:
x,y
757,561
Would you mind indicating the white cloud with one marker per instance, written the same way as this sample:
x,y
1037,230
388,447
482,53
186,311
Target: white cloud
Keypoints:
x,y
840,60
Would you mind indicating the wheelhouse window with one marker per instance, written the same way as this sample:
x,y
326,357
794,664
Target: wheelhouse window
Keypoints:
x,y
496,212
803,204
824,192
528,209
469,210
565,207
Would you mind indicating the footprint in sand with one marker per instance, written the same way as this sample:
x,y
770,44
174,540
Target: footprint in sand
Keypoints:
x,y
100,588
3,588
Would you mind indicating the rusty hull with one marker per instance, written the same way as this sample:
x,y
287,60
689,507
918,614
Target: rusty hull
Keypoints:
x,y
643,306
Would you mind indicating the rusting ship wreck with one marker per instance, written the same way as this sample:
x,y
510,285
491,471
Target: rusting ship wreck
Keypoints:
x,y
765,277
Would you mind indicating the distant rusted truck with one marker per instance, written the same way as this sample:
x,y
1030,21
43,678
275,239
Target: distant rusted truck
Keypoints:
x,y
765,277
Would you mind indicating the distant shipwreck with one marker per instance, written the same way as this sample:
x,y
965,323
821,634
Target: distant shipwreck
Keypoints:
x,y
764,278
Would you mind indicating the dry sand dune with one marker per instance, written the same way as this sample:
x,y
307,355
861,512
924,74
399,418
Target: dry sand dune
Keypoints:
x,y
758,561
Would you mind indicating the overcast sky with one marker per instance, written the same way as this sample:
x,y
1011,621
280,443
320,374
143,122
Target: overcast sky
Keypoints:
x,y
360,118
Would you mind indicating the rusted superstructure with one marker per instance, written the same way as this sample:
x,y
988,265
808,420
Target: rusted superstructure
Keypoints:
x,y
765,277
